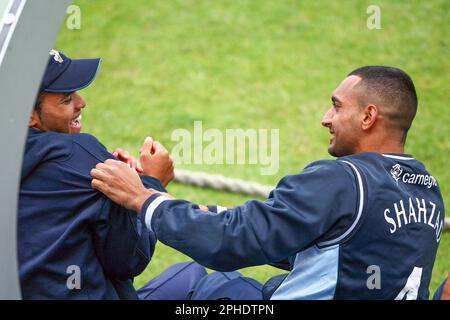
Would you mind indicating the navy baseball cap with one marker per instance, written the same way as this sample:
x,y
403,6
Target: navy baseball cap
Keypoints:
x,y
68,75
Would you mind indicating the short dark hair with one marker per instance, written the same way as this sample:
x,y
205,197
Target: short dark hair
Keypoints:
x,y
395,89
37,104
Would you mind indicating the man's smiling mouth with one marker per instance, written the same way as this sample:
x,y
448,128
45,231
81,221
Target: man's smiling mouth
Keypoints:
x,y
76,123
332,136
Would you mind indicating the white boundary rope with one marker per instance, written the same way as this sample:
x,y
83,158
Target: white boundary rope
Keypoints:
x,y
219,182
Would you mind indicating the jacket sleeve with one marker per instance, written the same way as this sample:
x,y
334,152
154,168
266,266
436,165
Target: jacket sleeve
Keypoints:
x,y
122,245
282,264
304,208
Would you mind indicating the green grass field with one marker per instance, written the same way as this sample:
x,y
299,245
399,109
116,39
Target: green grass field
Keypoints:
x,y
256,64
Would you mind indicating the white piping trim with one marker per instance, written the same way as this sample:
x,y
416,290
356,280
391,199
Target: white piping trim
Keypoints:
x,y
151,209
360,209
397,157
220,209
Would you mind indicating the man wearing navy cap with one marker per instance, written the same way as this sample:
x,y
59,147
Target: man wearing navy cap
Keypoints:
x,y
61,80
73,242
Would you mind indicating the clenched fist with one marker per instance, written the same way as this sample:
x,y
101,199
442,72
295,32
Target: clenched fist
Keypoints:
x,y
156,161
125,157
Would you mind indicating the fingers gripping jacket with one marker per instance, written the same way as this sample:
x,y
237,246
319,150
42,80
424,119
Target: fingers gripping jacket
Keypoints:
x,y
219,182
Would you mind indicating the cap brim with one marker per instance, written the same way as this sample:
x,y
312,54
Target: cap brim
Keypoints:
x,y
78,75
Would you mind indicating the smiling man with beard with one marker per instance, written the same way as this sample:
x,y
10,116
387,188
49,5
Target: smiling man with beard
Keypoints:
x,y
73,242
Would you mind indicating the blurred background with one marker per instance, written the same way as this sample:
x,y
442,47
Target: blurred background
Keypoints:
x,y
255,64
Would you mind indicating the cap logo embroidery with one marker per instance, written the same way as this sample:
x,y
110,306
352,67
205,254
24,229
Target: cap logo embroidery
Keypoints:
x,y
56,56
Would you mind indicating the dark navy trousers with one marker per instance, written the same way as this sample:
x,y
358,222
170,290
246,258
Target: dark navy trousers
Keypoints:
x,y
190,281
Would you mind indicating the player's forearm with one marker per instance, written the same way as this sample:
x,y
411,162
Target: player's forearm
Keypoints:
x,y
226,241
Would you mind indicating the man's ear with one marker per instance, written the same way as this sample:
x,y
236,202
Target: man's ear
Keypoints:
x,y
34,120
369,117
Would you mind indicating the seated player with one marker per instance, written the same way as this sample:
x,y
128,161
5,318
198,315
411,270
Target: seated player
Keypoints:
x,y
73,242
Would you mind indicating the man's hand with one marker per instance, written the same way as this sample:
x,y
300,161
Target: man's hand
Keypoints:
x,y
156,161
125,157
121,184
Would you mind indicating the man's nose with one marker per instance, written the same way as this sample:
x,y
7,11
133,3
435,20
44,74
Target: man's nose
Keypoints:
x,y
326,120
79,101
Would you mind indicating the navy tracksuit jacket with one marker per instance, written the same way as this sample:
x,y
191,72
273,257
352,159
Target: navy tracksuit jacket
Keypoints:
x,y
364,226
73,242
